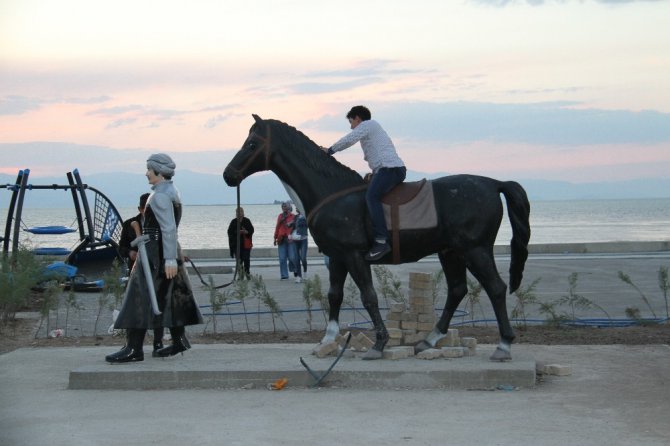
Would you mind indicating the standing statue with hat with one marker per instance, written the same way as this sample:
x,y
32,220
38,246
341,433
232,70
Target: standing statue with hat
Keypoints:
x,y
159,292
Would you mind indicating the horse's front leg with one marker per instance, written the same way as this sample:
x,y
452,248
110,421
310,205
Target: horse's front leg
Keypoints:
x,y
360,272
337,275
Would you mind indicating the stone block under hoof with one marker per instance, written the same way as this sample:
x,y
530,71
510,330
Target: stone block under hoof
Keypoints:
x,y
431,353
421,346
372,354
501,355
323,350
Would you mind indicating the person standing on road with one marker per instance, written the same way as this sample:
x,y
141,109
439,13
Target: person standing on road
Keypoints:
x,y
173,292
243,239
298,245
283,230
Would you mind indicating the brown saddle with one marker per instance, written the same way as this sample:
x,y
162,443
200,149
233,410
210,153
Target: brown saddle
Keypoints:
x,y
409,206
403,193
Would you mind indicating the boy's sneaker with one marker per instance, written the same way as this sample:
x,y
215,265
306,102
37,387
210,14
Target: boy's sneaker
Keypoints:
x,y
378,251
298,279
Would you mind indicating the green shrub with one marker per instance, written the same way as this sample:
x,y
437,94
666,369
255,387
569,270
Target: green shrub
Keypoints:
x,y
20,273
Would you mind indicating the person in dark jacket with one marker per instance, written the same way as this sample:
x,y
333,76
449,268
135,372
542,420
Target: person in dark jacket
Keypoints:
x,y
129,253
298,246
243,239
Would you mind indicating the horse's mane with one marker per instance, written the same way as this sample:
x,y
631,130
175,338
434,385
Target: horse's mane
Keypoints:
x,y
312,155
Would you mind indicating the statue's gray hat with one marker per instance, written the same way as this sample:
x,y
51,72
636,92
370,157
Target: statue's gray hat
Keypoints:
x,y
161,163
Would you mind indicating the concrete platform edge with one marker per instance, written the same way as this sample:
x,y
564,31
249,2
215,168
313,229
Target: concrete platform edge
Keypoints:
x,y
255,366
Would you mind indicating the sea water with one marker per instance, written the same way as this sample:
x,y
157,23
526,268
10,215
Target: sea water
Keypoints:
x,y
570,221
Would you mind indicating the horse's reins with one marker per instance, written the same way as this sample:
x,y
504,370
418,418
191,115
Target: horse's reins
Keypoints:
x,y
265,149
333,197
237,253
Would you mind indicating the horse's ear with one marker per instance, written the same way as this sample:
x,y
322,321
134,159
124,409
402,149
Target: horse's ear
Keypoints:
x,y
257,118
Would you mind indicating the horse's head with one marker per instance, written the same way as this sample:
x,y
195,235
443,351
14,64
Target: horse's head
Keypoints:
x,y
254,156
275,145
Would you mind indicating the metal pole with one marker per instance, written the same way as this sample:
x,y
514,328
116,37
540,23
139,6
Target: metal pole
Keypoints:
x,y
238,238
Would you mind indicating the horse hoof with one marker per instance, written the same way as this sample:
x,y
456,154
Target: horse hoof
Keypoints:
x,y
372,354
421,346
501,355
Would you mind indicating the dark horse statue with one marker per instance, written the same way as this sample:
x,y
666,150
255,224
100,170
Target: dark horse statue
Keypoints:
x,y
469,212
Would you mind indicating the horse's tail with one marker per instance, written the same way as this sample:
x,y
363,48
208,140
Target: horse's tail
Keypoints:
x,y
518,211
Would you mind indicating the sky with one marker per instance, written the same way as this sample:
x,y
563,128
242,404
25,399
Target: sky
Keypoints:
x,y
563,90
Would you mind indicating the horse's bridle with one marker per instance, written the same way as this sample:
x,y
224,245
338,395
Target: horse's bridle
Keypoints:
x,y
264,149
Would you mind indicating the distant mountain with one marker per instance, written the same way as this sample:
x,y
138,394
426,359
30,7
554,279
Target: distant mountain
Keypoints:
x,y
102,167
123,189
559,190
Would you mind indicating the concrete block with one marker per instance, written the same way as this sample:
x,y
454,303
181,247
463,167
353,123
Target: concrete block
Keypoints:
x,y
422,309
364,341
425,326
409,325
413,338
469,351
342,339
394,316
420,296
424,283
394,343
427,317
558,370
401,352
452,352
395,333
469,346
450,340
323,350
349,354
418,277
409,316
355,345
397,308
392,324
469,342
431,353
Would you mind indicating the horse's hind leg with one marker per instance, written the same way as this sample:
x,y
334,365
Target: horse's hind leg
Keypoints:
x,y
482,265
337,275
360,272
457,287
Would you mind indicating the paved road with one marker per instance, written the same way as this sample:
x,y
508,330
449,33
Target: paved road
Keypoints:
x,y
616,395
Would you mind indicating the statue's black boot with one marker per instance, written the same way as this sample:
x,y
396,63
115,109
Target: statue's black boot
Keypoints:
x,y
158,341
179,343
132,351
